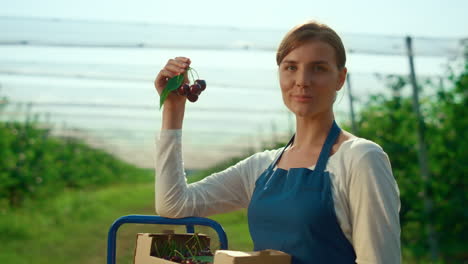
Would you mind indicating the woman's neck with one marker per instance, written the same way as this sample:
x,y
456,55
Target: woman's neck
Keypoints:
x,y
311,132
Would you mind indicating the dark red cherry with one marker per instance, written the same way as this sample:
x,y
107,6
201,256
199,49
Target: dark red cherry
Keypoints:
x,y
183,89
176,259
202,84
195,89
192,97
187,88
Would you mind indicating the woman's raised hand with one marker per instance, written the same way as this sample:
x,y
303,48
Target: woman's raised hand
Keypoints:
x,y
174,67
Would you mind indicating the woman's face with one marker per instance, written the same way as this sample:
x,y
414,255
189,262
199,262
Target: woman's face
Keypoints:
x,y
309,79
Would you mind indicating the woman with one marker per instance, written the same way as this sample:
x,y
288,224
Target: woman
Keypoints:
x,y
326,197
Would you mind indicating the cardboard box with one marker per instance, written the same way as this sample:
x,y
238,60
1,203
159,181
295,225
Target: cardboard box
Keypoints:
x,y
267,256
146,244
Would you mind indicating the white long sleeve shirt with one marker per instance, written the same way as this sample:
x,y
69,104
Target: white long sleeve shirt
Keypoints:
x,y
365,193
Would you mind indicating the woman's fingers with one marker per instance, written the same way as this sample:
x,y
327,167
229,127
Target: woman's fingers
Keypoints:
x,y
166,73
185,63
183,59
177,65
174,67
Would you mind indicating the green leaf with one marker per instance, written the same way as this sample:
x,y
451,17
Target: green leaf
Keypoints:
x,y
172,85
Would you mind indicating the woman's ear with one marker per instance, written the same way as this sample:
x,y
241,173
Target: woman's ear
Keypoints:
x,y
342,78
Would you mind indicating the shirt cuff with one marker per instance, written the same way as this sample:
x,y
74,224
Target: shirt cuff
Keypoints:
x,y
170,133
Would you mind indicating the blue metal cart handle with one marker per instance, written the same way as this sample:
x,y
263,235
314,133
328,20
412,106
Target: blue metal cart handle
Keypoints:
x,y
189,222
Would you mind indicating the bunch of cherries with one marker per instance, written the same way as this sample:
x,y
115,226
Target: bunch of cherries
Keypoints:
x,y
186,259
178,259
192,91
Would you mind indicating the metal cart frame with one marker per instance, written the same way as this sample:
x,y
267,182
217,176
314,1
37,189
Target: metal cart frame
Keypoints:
x,y
189,222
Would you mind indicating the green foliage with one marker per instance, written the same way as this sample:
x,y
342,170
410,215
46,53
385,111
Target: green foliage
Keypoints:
x,y
392,123
72,226
34,164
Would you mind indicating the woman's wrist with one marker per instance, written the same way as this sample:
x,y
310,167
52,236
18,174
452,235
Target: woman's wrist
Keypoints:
x,y
173,116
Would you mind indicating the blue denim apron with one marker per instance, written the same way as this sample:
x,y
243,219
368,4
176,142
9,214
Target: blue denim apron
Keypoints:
x,y
293,211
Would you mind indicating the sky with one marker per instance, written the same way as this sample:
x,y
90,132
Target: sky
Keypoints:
x,y
397,17
236,78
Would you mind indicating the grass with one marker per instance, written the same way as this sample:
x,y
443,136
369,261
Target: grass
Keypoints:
x,y
72,227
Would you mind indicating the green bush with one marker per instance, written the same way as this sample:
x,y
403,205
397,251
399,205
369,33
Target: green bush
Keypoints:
x,y
34,164
391,122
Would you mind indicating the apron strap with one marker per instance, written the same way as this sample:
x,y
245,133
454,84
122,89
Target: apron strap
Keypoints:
x,y
326,149
324,153
273,164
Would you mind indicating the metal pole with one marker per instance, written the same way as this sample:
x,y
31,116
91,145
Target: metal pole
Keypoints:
x,y
261,140
274,138
290,122
422,155
464,44
29,114
351,106
251,147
